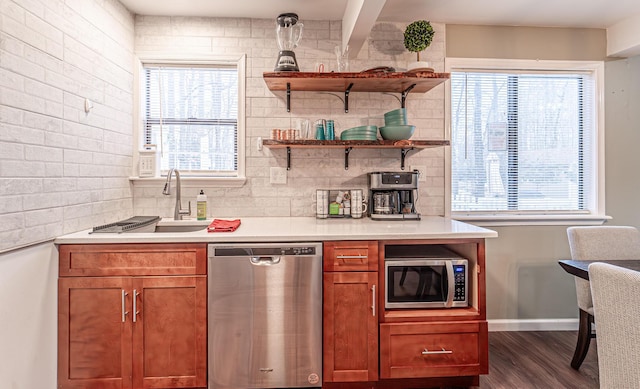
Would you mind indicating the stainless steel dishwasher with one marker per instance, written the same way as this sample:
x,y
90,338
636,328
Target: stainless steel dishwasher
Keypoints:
x,y
265,315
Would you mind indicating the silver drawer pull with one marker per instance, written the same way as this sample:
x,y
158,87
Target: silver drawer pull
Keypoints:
x,y
351,256
443,351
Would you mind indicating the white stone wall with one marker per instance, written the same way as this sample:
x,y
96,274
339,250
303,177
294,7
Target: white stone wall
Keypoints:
x,y
61,169
311,168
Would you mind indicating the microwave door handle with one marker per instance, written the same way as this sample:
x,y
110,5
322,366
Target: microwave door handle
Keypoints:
x,y
450,285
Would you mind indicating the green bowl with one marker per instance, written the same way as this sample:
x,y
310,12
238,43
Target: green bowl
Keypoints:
x,y
398,132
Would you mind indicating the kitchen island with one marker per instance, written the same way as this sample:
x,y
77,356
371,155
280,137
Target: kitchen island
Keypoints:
x,y
156,281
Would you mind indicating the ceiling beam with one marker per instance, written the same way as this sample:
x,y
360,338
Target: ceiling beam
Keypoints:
x,y
623,38
357,23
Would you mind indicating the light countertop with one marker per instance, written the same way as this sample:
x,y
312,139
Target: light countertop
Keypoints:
x,y
295,229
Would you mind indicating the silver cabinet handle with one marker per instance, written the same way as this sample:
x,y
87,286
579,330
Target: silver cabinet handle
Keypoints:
x,y
373,300
124,306
443,351
352,256
135,305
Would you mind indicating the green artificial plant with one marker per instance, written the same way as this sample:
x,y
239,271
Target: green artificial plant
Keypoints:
x,y
418,36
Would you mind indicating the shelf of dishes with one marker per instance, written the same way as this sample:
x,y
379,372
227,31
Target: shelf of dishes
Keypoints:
x,y
404,145
394,82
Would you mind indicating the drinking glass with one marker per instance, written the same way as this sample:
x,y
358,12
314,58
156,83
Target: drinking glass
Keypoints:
x,y
342,56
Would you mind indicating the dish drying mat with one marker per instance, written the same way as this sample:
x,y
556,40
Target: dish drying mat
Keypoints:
x,y
136,223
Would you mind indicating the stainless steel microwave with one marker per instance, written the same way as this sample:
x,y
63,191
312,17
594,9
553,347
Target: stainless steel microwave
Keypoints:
x,y
426,283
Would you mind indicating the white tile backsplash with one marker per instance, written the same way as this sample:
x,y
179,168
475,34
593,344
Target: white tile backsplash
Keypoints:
x,y
62,169
53,55
311,168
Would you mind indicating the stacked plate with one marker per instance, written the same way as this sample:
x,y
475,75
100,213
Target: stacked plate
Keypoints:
x,y
360,133
397,117
395,125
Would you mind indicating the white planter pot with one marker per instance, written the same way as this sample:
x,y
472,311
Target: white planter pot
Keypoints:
x,y
418,65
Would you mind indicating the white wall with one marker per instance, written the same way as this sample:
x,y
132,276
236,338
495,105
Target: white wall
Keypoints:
x,y
62,170
311,168
28,318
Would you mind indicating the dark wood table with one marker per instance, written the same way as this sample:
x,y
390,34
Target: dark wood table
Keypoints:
x,y
581,268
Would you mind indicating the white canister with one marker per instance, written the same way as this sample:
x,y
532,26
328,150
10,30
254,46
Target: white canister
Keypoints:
x,y
358,206
322,203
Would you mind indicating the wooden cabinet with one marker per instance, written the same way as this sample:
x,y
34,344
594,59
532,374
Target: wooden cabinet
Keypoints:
x,y
350,321
417,348
123,329
438,344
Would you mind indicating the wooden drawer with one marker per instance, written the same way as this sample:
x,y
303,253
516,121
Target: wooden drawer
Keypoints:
x,y
351,256
133,259
444,349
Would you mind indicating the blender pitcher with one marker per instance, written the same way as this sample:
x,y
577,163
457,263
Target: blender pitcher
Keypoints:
x,y
288,32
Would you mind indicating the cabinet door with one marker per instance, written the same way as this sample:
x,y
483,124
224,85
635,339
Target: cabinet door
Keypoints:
x,y
170,332
94,333
350,327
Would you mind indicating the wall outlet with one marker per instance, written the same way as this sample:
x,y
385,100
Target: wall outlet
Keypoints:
x,y
422,175
278,175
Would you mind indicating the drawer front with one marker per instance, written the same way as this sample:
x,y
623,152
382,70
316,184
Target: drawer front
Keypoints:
x,y
351,256
133,259
414,350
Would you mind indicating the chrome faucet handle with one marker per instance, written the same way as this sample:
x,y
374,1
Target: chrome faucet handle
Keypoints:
x,y
185,211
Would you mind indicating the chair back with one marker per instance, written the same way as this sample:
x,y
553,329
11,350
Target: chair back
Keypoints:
x,y
616,299
592,243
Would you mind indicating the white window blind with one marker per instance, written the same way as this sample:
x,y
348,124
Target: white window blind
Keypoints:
x,y
522,141
191,113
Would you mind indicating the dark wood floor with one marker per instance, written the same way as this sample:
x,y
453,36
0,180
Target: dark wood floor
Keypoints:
x,y
538,360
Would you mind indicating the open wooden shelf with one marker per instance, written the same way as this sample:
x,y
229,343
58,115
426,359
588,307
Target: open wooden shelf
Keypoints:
x,y
404,145
346,82
356,144
362,82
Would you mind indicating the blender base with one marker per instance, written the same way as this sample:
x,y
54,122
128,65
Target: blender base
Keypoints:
x,y
286,62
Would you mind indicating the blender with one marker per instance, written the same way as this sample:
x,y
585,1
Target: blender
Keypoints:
x,y
288,32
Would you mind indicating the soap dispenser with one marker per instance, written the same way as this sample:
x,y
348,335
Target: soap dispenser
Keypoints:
x,y
201,204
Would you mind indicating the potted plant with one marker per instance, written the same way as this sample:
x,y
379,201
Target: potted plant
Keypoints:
x,y
417,37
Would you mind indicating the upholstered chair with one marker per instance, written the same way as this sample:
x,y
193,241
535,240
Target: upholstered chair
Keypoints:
x,y
597,243
616,303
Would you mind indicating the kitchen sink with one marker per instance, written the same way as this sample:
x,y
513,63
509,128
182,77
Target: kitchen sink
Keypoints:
x,y
179,228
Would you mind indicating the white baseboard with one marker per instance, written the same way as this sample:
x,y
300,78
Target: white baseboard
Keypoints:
x,y
533,325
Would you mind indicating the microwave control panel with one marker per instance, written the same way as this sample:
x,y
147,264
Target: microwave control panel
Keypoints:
x,y
459,275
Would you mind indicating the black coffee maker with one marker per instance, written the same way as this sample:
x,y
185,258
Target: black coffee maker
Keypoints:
x,y
393,196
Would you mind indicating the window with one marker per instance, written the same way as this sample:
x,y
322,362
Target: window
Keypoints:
x,y
524,141
193,113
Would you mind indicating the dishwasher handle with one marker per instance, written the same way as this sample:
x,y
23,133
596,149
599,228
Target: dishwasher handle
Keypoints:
x,y
265,261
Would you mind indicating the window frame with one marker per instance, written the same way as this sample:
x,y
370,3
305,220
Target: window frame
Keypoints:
x,y
139,113
595,212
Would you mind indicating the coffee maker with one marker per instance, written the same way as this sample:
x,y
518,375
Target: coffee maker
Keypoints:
x,y
393,196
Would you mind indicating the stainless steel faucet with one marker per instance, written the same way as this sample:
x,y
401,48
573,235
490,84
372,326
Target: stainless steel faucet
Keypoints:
x,y
178,212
